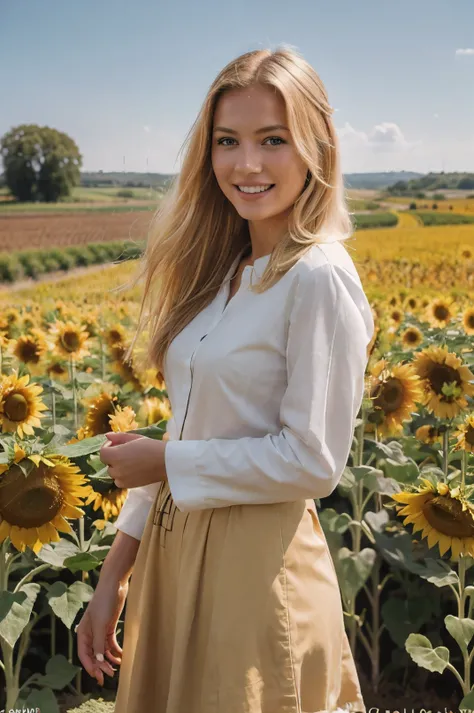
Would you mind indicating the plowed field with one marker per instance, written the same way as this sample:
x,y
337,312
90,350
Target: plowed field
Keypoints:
x,y
21,232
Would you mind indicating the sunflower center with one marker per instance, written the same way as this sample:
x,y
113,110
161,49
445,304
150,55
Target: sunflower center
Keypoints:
x,y
70,341
390,395
443,374
446,515
470,321
32,501
411,336
441,312
27,352
16,407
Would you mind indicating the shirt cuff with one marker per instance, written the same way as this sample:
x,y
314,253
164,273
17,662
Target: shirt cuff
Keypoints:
x,y
135,510
182,475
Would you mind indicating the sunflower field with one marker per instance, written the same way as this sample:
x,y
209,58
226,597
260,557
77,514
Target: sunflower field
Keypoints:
x,y
400,525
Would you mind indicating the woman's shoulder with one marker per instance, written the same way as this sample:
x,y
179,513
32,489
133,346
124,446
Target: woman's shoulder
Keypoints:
x,y
327,255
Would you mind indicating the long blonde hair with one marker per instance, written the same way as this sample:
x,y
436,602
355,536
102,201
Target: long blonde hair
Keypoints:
x,y
196,233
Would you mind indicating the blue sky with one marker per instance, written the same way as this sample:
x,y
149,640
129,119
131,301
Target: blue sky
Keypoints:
x,y
127,79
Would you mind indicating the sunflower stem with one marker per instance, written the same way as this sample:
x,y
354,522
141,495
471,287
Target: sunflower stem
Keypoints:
x,y
53,633
462,567
102,357
445,453
53,406
74,392
463,471
4,566
29,576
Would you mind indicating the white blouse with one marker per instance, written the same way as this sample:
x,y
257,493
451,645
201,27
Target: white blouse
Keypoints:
x,y
264,391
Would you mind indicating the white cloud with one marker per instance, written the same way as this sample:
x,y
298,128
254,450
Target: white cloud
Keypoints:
x,y
386,136
383,147
468,50
146,129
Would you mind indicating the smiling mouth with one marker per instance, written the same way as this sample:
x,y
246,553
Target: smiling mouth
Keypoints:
x,y
252,193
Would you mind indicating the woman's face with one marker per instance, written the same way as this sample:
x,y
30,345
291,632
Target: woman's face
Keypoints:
x,y
245,155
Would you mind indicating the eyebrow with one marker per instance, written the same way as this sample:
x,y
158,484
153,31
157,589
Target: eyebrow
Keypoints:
x,y
274,127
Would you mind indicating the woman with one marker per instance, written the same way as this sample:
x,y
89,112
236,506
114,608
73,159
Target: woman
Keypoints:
x,y
261,328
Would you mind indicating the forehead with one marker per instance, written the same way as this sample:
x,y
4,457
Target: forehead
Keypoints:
x,y
259,103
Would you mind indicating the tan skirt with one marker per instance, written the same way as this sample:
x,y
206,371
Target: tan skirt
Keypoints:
x,y
235,610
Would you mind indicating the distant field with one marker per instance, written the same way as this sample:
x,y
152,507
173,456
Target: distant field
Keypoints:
x,y
106,198
459,205
22,232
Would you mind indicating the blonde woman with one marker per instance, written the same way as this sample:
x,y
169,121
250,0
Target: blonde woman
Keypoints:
x,y
259,324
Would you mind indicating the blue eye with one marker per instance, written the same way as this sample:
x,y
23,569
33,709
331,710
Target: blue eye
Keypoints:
x,y
270,138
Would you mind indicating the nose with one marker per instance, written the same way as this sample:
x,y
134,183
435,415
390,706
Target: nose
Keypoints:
x,y
248,158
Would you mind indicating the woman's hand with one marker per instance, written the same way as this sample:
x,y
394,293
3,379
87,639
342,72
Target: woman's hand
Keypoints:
x,y
133,460
96,637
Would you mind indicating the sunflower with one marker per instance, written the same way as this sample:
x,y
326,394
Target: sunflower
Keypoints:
x,y
57,370
440,312
123,419
31,347
445,517
412,337
154,409
33,508
394,391
466,253
70,339
90,322
115,335
111,501
100,409
125,368
411,303
465,435
396,315
428,434
20,407
468,320
445,381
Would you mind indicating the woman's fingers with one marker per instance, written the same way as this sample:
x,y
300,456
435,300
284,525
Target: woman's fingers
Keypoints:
x,y
87,654
113,658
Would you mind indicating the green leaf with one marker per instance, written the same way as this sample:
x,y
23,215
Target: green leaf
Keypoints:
x,y
354,569
378,483
468,701
67,601
438,572
424,655
59,672
347,481
82,448
404,616
83,562
336,522
377,520
462,630
42,700
15,611
55,553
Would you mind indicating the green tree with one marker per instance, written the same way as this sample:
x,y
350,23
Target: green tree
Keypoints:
x,y
40,163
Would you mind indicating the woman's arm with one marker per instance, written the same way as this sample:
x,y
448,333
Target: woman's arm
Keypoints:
x,y
118,565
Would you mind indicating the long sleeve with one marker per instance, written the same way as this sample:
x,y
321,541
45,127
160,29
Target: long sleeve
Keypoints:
x,y
329,330
134,513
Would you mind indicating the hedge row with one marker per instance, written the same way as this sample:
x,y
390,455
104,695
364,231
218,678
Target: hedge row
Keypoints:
x,y
429,218
364,221
33,263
